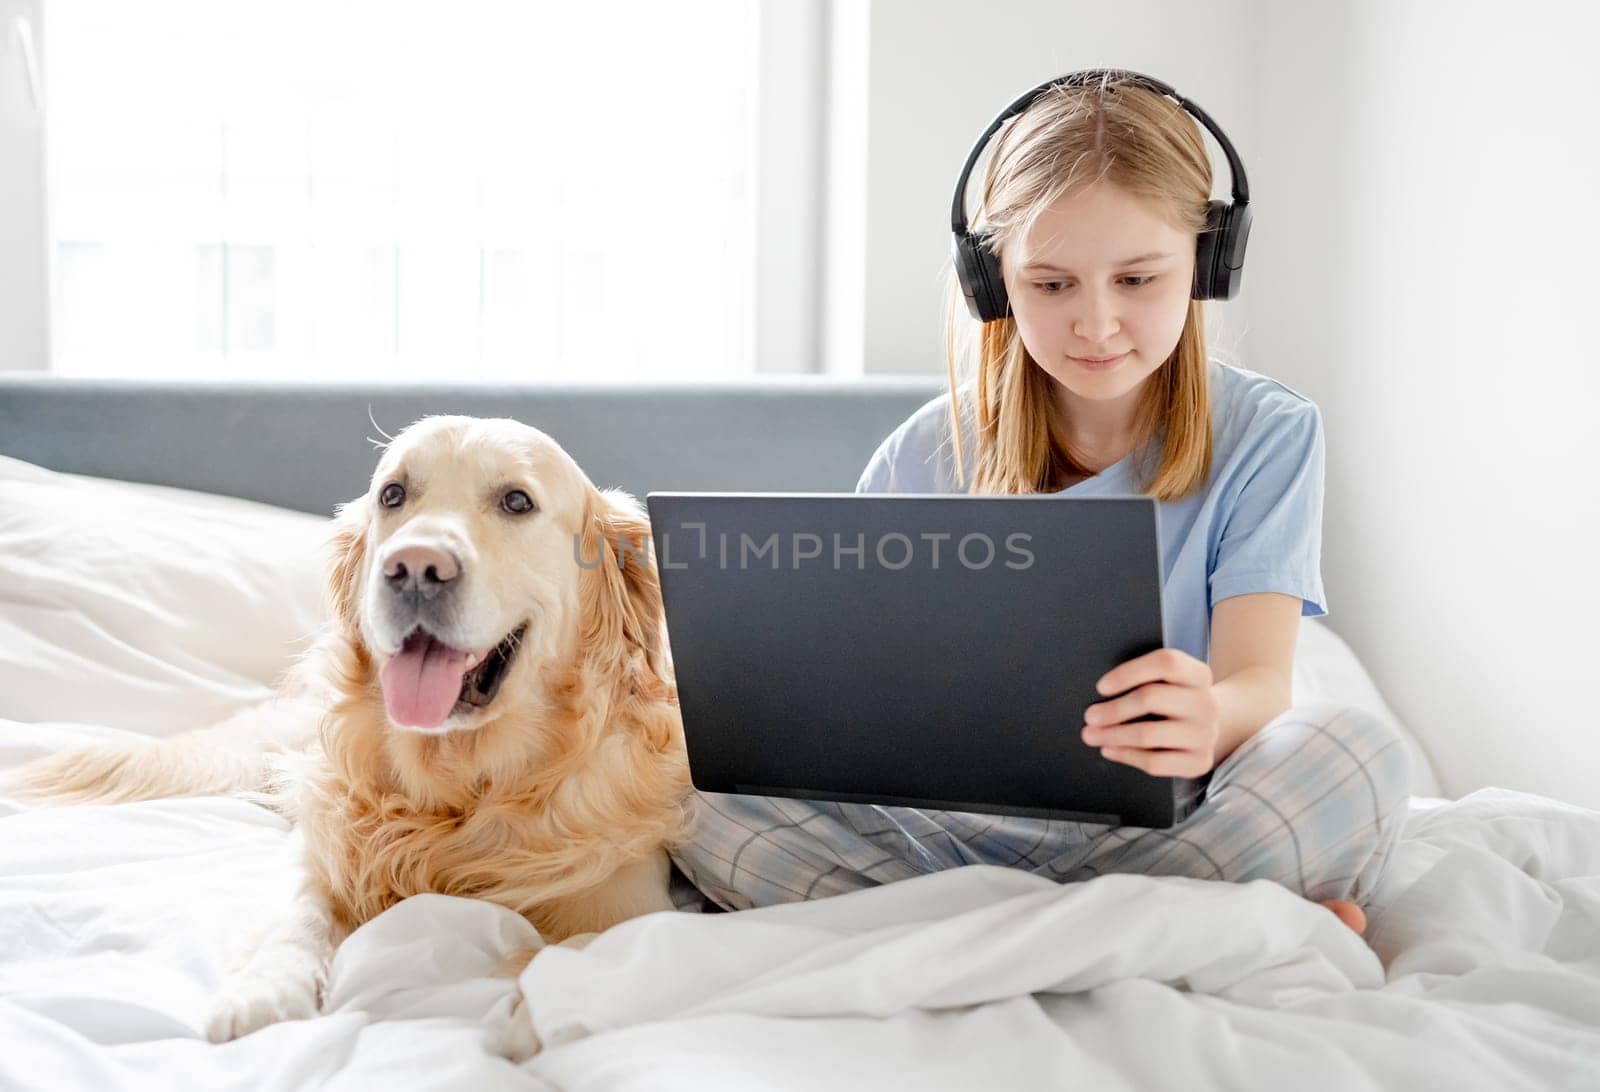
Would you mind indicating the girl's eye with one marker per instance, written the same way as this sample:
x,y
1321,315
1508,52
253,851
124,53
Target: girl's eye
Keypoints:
x,y
393,495
517,502
1050,288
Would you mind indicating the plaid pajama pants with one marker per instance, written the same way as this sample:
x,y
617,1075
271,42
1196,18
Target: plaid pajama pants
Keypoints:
x,y
1313,801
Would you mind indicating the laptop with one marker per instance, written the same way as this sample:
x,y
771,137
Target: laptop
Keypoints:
x,y
920,650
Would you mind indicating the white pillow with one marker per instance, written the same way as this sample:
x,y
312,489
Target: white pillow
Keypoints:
x,y
1325,669
143,607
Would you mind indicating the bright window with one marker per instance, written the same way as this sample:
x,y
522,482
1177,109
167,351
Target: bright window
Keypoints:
x,y
366,190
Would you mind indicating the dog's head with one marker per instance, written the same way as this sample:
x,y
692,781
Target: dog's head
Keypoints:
x,y
480,563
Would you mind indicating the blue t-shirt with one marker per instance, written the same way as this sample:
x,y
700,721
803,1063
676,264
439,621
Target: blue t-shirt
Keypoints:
x,y
1255,526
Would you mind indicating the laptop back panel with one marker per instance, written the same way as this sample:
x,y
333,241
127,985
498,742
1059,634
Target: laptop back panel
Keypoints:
x,y
930,651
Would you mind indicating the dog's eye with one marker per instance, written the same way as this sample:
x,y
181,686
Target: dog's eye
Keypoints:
x,y
393,495
517,502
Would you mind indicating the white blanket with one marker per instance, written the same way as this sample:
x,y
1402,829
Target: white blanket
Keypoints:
x,y
114,922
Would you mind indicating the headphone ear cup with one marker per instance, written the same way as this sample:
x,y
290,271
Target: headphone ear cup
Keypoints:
x,y
1219,251
999,304
1230,249
1207,250
978,268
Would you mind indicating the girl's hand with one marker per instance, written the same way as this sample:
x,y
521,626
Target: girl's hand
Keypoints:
x,y
1170,684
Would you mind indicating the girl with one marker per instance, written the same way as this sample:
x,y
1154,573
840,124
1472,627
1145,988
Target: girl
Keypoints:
x,y
1094,381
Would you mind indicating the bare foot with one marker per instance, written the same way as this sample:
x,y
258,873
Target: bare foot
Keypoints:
x,y
1347,912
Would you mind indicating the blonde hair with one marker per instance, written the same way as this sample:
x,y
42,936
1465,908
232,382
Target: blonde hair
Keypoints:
x,y
1069,139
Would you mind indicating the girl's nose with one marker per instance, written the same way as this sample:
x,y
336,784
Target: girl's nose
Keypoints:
x,y
1097,323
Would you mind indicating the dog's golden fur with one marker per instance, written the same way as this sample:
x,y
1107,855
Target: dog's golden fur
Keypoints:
x,y
557,800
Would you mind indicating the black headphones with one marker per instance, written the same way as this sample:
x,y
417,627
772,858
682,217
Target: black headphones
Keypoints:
x,y
1219,249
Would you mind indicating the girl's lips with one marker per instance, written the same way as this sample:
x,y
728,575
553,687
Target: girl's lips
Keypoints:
x,y
1099,364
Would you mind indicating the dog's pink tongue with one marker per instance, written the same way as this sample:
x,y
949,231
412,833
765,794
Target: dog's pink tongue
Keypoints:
x,y
422,681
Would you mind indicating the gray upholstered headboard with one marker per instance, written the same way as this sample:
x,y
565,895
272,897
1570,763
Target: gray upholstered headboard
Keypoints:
x,y
305,446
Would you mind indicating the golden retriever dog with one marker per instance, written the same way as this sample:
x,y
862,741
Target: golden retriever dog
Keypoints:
x,y
489,713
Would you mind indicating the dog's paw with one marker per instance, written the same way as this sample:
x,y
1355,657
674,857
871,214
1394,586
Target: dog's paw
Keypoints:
x,y
518,1041
251,1002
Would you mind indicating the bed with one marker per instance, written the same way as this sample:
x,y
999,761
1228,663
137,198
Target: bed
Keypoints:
x,y
159,565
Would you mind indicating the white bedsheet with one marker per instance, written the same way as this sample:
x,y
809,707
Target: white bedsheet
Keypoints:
x,y
114,922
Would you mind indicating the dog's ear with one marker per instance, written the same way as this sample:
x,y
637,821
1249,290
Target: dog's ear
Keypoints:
x,y
347,557
621,589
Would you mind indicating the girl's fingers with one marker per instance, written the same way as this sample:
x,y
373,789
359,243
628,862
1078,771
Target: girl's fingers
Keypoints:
x,y
1160,699
1145,735
1163,665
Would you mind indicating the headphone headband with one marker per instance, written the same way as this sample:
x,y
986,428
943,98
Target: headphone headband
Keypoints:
x,y
1241,185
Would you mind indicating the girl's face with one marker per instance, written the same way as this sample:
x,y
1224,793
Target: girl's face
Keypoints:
x,y
1100,275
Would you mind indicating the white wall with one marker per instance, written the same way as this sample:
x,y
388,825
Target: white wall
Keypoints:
x,y
1425,244
1434,167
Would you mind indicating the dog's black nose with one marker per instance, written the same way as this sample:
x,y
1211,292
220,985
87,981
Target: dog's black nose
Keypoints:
x,y
425,569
